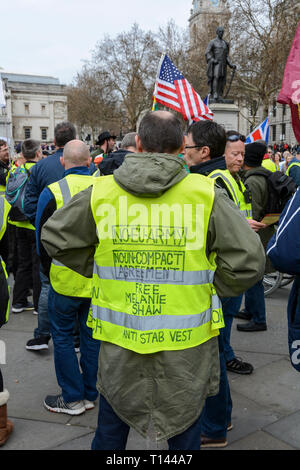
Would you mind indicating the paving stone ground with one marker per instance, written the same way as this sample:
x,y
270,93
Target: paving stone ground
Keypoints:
x,y
266,404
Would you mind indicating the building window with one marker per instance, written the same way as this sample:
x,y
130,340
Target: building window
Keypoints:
x,y
274,108
274,133
283,130
283,110
26,106
27,132
43,109
44,133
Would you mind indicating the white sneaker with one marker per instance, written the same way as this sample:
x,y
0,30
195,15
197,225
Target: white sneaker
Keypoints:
x,y
89,405
57,404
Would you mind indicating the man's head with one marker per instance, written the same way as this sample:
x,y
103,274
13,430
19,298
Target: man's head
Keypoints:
x,y
64,132
106,141
220,32
205,140
234,151
270,152
254,154
128,142
160,132
76,153
4,152
31,150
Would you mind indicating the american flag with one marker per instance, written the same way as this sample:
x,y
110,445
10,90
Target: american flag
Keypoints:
x,y
174,91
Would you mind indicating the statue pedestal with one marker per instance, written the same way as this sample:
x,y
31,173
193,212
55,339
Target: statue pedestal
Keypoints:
x,y
226,114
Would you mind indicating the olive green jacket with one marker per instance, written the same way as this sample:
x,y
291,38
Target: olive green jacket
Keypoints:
x,y
168,388
258,186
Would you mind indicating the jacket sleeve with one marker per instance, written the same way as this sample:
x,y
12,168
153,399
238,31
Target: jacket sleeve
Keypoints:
x,y
31,197
240,256
295,174
45,209
258,187
284,247
70,235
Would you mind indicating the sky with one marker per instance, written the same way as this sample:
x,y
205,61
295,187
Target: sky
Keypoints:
x,y
55,37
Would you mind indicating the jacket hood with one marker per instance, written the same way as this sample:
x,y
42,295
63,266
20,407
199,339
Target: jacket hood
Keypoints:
x,y
211,165
149,174
259,171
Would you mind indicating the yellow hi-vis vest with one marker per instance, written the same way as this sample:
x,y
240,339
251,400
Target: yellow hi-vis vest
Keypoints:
x,y
236,192
4,210
153,282
290,166
65,281
269,165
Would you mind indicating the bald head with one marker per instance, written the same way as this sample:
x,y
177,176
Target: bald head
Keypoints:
x,y
76,153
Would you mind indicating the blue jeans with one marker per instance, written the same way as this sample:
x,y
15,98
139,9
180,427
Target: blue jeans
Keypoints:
x,y
255,302
43,328
230,306
112,432
216,413
63,312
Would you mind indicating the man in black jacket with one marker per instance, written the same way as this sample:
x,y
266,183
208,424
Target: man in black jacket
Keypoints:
x,y
115,159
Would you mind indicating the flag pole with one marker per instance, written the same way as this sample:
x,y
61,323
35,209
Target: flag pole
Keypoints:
x,y
154,107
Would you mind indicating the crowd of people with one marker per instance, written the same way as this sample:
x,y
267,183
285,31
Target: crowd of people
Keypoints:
x,y
139,258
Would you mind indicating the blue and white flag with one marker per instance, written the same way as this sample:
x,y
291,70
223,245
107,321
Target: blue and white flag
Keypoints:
x,y
261,132
206,100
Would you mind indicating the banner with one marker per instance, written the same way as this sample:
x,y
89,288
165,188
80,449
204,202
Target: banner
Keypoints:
x,y
290,90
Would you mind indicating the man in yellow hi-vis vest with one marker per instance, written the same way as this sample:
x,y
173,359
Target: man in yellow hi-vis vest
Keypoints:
x,y
69,295
28,267
154,238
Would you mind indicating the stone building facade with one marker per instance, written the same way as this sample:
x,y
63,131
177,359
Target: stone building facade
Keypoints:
x,y
34,105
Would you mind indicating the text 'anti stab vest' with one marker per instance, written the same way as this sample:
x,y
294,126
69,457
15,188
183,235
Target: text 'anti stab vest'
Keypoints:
x,y
65,281
153,283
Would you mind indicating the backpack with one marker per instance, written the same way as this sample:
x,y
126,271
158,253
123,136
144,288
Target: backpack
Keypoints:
x,y
281,188
15,192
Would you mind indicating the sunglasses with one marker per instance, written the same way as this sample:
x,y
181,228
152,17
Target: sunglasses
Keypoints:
x,y
236,137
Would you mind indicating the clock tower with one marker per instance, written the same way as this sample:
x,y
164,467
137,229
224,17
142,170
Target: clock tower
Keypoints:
x,y
207,15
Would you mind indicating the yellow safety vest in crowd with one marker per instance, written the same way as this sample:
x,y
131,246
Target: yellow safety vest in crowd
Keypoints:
x,y
236,192
3,187
4,210
290,166
63,280
153,283
269,165
25,223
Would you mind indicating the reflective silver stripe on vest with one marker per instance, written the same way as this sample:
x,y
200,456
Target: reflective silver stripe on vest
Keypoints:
x,y
216,303
247,213
229,184
154,276
2,209
97,173
58,263
158,322
65,190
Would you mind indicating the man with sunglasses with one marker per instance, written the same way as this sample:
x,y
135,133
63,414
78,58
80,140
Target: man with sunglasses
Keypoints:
x,y
206,145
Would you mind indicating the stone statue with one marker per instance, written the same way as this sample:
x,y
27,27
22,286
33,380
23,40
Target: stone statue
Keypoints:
x,y
216,54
